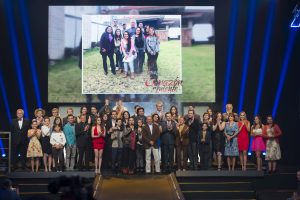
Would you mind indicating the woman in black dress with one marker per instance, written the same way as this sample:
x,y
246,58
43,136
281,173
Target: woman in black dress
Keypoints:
x,y
46,146
218,128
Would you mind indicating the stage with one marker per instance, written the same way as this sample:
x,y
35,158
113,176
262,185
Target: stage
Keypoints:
x,y
210,184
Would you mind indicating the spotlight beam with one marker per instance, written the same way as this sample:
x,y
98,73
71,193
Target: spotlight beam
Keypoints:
x,y
24,17
230,50
263,64
285,65
250,25
18,67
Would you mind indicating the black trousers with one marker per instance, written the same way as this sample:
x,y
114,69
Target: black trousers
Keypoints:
x,y
58,155
140,157
193,154
139,61
17,149
167,154
119,58
153,66
205,155
83,151
128,158
111,60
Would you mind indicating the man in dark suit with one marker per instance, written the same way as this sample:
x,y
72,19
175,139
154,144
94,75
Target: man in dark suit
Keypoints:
x,y
195,114
168,136
19,140
194,126
82,140
140,115
150,134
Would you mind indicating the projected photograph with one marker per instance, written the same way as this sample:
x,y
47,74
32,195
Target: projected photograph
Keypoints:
x,y
76,73
131,54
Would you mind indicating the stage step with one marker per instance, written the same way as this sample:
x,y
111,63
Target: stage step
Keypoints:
x,y
36,184
217,185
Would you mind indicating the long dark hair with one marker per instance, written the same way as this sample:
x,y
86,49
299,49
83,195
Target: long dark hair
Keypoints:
x,y
260,123
128,40
176,112
107,28
118,37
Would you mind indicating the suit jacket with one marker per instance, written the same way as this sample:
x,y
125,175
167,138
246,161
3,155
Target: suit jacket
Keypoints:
x,y
82,137
194,130
147,136
19,136
182,139
168,136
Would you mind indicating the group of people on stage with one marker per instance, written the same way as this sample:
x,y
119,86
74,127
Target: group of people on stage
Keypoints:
x,y
126,142
130,46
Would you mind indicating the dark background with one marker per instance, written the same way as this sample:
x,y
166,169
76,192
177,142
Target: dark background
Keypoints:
x,y
289,107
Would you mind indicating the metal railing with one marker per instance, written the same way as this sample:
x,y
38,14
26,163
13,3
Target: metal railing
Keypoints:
x,y
5,150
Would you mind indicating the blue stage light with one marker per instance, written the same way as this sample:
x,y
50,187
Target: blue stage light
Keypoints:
x,y
296,19
3,155
288,50
263,64
249,153
24,17
230,50
4,97
264,153
250,24
14,46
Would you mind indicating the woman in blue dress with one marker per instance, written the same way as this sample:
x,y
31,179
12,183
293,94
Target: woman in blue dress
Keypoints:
x,y
231,144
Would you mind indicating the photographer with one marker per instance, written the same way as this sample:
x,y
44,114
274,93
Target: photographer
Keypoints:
x,y
7,192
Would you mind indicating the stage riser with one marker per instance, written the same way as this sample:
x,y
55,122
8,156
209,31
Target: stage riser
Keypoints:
x,y
219,195
213,187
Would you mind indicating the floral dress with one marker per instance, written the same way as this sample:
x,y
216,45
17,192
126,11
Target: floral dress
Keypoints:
x,y
34,147
231,147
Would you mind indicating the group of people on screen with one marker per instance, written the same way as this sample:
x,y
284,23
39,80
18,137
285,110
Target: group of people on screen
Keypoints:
x,y
129,47
111,138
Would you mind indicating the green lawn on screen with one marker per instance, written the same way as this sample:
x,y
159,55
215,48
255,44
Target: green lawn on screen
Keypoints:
x,y
198,75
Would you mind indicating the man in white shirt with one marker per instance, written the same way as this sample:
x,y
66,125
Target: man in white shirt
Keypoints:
x,y
19,140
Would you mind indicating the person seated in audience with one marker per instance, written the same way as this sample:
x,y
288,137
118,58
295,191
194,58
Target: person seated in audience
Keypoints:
x,y
205,146
71,147
7,192
34,150
58,142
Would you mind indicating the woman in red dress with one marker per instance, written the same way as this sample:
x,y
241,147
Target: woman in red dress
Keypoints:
x,y
98,135
243,139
